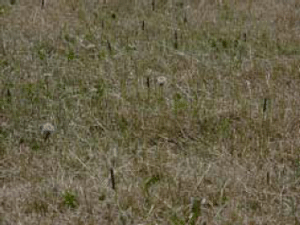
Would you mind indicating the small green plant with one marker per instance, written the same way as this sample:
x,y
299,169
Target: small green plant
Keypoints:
x,y
180,103
4,9
35,146
195,210
224,127
100,87
44,49
71,55
176,220
150,182
70,199
102,54
297,168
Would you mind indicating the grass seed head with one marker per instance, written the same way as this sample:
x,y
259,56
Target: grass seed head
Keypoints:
x,y
161,80
47,129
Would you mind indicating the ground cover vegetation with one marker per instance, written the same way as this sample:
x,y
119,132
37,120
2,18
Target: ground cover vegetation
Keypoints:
x,y
163,112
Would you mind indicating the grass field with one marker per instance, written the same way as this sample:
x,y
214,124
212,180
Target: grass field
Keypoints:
x,y
165,112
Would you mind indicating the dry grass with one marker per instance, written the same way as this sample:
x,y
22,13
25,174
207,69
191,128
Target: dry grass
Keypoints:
x,y
216,143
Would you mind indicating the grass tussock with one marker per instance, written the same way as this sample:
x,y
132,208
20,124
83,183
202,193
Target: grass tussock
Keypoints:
x,y
151,112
